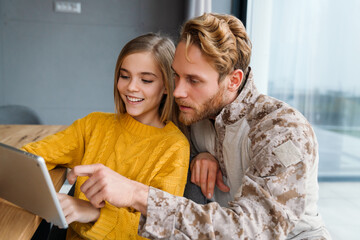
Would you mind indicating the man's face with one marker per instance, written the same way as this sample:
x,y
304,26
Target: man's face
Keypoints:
x,y
197,91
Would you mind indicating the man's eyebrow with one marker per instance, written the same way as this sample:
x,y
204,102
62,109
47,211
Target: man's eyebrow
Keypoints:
x,y
195,76
190,75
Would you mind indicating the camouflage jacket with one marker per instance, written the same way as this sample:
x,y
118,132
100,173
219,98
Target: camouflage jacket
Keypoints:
x,y
268,154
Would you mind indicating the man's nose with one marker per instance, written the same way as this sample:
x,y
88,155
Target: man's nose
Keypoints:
x,y
180,90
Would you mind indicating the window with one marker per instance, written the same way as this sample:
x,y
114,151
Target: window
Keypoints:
x,y
311,56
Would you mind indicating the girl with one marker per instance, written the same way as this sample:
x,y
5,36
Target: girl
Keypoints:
x,y
140,141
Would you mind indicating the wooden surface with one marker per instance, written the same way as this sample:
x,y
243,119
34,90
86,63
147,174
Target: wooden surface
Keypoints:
x,y
15,222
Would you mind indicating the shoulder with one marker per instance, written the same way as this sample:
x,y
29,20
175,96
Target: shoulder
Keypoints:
x,y
96,120
265,106
280,135
173,135
272,115
269,114
99,117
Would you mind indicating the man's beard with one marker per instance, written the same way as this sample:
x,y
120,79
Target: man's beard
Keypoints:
x,y
209,109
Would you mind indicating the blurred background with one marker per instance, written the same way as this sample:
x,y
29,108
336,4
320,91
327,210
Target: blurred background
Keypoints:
x,y
57,59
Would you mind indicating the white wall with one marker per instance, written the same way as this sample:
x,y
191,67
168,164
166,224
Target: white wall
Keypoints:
x,y
259,30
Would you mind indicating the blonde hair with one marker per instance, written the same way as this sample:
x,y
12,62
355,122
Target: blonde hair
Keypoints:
x,y
222,38
162,49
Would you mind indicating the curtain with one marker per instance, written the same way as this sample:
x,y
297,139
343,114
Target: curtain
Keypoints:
x,y
314,53
197,7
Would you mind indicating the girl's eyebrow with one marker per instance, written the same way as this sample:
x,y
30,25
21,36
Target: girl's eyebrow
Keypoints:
x,y
149,73
123,69
142,73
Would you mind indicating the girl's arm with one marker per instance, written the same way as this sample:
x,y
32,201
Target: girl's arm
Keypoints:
x,y
64,148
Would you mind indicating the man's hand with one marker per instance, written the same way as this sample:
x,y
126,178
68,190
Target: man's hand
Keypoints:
x,y
77,210
205,173
105,184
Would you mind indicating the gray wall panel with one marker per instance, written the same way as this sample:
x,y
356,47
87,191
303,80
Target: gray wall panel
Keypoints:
x,y
94,12
2,88
221,6
62,65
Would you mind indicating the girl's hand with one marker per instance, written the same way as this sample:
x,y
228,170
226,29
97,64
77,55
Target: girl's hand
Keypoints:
x,y
77,210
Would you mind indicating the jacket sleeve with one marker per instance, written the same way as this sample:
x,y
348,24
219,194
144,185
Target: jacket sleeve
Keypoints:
x,y
64,148
268,204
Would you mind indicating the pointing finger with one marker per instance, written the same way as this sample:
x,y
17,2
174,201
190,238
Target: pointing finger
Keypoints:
x,y
83,170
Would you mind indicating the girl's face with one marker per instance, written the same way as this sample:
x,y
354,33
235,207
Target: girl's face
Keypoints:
x,y
141,87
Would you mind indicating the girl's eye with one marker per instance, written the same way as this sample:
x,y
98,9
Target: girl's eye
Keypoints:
x,y
124,77
147,81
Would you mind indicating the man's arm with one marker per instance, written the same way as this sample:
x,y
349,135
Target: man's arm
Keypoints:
x,y
105,184
255,213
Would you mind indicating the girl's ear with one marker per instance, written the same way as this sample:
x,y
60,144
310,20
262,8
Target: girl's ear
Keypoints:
x,y
165,91
236,78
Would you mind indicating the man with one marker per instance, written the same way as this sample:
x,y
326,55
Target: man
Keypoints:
x,y
264,150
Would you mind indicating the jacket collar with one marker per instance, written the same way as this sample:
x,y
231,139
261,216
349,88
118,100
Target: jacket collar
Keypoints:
x,y
236,110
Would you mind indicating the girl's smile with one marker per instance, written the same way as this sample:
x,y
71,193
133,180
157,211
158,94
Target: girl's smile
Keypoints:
x,y
141,87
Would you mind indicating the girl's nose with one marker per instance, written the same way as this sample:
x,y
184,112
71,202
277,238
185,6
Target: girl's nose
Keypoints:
x,y
133,86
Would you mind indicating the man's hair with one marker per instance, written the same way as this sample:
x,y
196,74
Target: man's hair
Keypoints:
x,y
222,38
162,50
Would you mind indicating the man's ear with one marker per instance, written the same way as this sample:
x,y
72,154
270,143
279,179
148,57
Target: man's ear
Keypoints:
x,y
236,78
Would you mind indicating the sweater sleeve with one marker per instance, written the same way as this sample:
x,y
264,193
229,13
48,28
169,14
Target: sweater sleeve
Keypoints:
x,y
64,148
102,227
172,175
268,205
107,226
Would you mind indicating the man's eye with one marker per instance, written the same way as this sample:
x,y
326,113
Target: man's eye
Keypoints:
x,y
193,81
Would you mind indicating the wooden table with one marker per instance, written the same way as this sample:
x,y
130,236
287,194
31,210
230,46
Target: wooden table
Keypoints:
x,y
15,222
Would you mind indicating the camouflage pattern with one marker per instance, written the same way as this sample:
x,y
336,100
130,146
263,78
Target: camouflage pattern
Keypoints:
x,y
271,171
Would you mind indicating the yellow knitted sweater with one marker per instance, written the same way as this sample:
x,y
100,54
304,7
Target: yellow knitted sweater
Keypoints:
x,y
156,157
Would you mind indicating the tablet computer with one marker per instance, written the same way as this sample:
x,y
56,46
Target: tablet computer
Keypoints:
x,y
25,181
